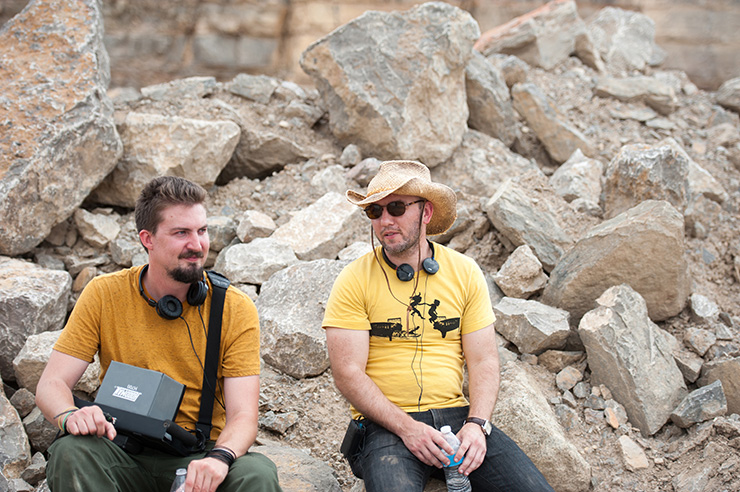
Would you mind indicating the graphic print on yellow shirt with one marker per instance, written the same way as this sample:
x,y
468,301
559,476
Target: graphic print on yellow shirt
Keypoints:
x,y
394,327
415,351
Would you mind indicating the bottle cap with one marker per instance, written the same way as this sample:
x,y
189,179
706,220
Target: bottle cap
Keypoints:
x,y
181,471
445,429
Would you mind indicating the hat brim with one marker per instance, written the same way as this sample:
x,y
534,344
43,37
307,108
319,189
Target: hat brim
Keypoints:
x,y
442,197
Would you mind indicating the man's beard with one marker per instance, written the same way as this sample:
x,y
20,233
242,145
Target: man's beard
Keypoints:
x,y
190,274
409,242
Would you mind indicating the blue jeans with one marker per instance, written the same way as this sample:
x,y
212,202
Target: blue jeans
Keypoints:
x,y
387,465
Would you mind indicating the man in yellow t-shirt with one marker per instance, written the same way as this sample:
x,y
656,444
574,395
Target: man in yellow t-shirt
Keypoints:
x,y
154,317
400,322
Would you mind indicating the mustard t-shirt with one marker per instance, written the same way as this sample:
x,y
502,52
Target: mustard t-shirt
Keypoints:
x,y
113,319
415,356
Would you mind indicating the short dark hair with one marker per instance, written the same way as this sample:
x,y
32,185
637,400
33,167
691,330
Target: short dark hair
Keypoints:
x,y
161,193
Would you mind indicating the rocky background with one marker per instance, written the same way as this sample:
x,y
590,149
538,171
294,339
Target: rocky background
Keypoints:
x,y
155,41
598,191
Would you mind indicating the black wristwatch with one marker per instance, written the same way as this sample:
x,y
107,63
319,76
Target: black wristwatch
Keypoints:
x,y
484,424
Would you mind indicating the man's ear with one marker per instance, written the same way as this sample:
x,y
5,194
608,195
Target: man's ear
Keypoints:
x,y
428,211
146,239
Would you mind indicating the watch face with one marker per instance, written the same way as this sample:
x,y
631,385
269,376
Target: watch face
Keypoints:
x,y
487,428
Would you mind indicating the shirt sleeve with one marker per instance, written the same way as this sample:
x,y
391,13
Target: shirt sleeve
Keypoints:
x,y
242,343
80,337
478,311
346,307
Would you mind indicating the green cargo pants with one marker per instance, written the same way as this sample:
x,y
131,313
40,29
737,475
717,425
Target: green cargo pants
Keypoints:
x,y
92,464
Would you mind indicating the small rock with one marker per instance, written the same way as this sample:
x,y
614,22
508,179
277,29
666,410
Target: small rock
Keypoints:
x,y
634,456
568,378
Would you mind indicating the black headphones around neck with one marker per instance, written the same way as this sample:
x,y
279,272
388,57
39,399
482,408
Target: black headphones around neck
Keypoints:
x,y
405,272
170,307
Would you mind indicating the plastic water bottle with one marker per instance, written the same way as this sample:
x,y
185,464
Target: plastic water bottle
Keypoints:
x,y
456,481
179,484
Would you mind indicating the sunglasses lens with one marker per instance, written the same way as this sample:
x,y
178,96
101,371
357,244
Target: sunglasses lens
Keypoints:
x,y
396,209
373,211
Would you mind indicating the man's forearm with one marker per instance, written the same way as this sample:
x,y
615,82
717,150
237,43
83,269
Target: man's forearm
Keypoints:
x,y
238,435
54,390
370,401
53,398
483,387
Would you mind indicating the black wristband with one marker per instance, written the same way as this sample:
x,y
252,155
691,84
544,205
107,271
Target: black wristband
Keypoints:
x,y
221,455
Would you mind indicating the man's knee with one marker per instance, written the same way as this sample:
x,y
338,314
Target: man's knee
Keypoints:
x,y
253,471
80,463
76,451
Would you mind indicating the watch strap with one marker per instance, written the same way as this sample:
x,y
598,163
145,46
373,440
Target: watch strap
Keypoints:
x,y
484,424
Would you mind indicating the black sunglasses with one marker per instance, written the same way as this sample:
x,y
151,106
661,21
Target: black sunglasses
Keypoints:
x,y
396,209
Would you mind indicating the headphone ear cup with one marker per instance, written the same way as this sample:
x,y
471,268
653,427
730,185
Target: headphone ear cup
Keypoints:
x,y
197,293
405,272
169,307
430,266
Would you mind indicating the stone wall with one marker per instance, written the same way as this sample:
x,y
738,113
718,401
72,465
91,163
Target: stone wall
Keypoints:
x,y
153,41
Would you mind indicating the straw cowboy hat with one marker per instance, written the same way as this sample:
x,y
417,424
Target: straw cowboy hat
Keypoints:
x,y
411,178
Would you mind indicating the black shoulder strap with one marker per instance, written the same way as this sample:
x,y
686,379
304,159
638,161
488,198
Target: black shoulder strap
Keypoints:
x,y
213,345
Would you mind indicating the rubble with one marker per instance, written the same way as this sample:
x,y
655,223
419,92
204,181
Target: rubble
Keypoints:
x,y
602,211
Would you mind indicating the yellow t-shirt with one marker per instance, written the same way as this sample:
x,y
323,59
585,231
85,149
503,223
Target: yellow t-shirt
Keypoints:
x,y
415,357
113,319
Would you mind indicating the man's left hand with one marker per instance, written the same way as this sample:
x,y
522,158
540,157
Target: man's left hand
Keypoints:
x,y
205,475
472,446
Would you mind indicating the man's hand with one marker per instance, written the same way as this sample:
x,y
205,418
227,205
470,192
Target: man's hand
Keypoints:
x,y
424,441
205,475
472,446
89,420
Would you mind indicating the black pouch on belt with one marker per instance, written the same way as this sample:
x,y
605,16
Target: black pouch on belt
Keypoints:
x,y
353,439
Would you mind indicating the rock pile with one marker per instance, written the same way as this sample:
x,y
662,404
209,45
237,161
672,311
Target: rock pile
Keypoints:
x,y
599,194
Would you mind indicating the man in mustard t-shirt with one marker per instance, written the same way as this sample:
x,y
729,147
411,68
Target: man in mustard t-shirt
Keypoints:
x,y
400,322
127,317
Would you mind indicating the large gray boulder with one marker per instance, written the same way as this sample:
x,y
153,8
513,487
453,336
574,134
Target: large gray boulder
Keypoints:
x,y
32,300
625,40
726,370
58,137
157,145
578,181
629,355
489,103
526,210
15,450
480,165
532,326
524,414
298,471
728,95
649,90
291,306
544,37
560,138
277,126
254,262
320,230
643,247
31,361
647,172
394,83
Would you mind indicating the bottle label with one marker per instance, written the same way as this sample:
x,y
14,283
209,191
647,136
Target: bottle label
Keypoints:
x,y
452,460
